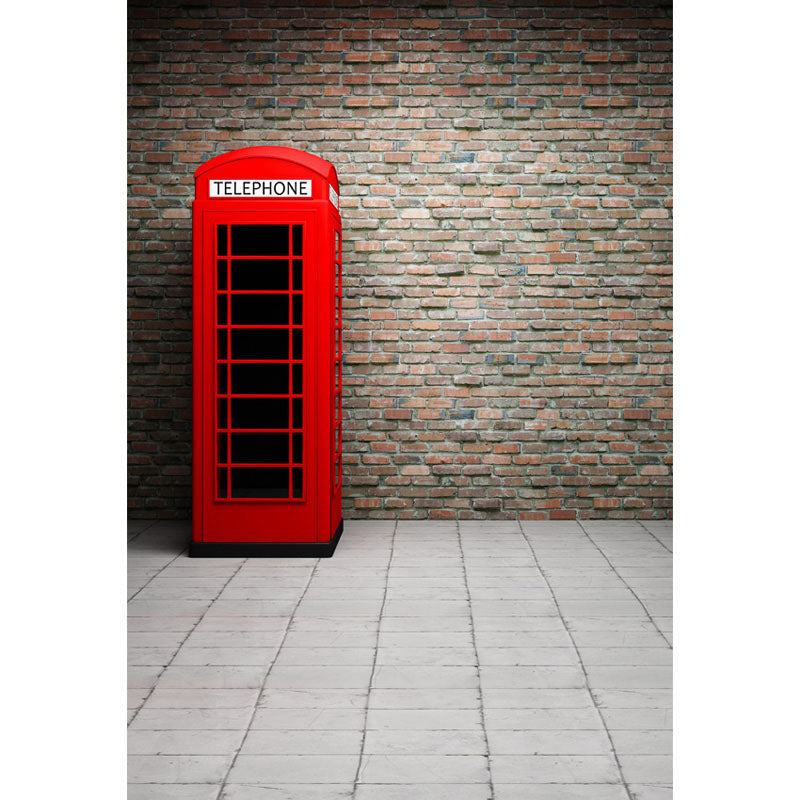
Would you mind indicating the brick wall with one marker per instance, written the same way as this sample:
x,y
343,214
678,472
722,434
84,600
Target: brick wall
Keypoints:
x,y
505,189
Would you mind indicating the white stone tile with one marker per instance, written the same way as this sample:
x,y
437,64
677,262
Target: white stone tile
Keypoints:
x,y
387,677
455,719
422,791
183,742
657,743
528,656
309,719
228,677
287,791
234,639
325,656
320,698
542,719
192,719
225,656
150,656
637,719
650,791
424,698
201,698
537,698
560,791
534,639
143,677
177,769
554,769
626,656
424,769
302,742
401,639
279,769
173,791
646,768
549,742
425,742
319,677
532,677
633,698
426,623
337,638
426,656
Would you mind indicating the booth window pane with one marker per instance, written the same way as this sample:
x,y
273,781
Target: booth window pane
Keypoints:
x,y
297,309
222,344
222,309
259,448
222,448
259,344
297,240
260,379
256,275
259,482
297,378
222,378
222,240
297,344
222,483
259,240
297,276
222,275
222,413
259,309
259,412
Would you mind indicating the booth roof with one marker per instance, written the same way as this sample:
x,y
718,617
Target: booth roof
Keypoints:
x,y
308,160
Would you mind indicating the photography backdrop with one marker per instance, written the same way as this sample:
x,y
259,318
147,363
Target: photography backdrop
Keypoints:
x,y
505,172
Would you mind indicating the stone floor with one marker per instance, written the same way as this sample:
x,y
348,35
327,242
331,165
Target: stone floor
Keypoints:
x,y
424,661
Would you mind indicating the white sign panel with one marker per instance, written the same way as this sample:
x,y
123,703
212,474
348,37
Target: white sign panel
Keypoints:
x,y
260,188
334,198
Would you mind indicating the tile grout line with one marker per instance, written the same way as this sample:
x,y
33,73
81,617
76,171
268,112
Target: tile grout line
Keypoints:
x,y
625,584
359,767
264,681
580,661
651,534
183,641
156,574
481,708
137,535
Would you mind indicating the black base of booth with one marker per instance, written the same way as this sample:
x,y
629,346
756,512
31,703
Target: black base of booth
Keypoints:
x,y
266,549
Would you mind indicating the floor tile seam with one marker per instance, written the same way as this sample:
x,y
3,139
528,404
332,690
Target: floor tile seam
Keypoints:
x,y
137,535
583,669
650,533
481,707
156,574
359,765
627,586
183,641
253,713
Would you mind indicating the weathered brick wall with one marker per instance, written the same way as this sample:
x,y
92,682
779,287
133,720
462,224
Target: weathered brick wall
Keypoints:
x,y
505,189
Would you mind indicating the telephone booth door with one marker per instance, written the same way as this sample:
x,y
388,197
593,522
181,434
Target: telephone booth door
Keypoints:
x,y
267,378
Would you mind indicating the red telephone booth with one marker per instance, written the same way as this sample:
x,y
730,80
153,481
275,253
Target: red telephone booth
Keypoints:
x,y
267,427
